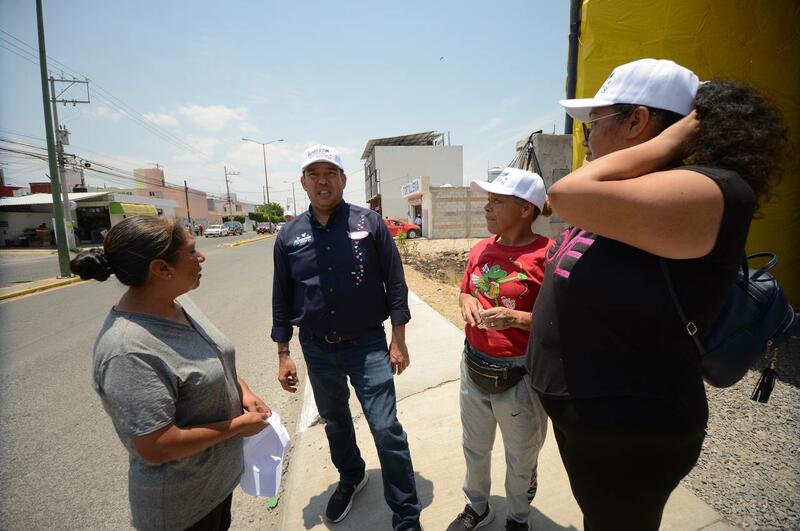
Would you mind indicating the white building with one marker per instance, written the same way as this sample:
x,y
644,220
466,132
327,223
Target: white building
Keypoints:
x,y
92,212
391,163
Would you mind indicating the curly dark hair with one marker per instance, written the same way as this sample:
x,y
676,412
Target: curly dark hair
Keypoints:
x,y
740,130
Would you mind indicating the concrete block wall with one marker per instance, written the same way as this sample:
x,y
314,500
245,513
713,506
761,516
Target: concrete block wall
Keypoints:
x,y
554,153
456,212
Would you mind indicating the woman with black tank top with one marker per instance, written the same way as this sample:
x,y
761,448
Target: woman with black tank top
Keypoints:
x,y
616,372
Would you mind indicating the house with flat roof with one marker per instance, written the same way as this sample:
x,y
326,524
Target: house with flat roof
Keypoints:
x,y
393,162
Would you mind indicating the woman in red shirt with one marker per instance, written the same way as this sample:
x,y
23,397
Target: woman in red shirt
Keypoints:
x,y
503,277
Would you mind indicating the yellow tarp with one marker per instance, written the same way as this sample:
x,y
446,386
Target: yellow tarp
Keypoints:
x,y
131,209
753,41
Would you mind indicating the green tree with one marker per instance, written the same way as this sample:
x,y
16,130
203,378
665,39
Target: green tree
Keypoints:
x,y
273,212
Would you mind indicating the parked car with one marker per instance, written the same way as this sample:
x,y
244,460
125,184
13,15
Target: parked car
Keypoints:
x,y
216,231
264,228
396,226
234,227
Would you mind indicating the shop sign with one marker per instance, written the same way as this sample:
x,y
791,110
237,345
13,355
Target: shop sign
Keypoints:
x,y
411,188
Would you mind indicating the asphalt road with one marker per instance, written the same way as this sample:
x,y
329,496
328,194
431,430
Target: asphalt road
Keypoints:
x,y
17,267
20,268
61,464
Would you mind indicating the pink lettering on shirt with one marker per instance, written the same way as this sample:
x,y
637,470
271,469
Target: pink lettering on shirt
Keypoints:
x,y
569,240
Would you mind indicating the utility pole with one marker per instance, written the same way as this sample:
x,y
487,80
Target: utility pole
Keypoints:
x,y
264,153
62,138
263,192
294,199
228,188
266,179
186,193
58,207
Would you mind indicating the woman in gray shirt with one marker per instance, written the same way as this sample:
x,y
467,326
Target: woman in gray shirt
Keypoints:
x,y
167,378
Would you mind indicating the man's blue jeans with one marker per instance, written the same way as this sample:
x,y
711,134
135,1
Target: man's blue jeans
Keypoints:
x,y
365,360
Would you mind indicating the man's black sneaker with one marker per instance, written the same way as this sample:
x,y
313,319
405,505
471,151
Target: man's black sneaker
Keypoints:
x,y
513,525
342,500
470,520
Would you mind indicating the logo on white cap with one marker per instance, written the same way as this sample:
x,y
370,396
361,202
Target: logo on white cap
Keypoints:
x,y
322,153
654,83
519,183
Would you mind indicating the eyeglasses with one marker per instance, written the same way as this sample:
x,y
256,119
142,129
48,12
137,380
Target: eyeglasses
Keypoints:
x,y
587,126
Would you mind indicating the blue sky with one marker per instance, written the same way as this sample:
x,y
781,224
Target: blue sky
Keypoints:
x,y
208,73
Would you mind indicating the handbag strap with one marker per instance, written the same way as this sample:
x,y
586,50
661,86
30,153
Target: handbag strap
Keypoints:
x,y
773,261
689,326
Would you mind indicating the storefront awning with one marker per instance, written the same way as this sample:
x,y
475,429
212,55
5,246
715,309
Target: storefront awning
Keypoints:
x,y
132,209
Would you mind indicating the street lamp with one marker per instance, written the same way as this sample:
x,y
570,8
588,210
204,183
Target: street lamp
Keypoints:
x,y
264,152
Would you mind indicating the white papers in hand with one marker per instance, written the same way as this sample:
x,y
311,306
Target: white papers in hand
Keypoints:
x,y
263,459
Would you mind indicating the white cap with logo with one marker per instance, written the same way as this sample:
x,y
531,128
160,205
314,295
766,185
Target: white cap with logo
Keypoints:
x,y
322,153
519,183
655,83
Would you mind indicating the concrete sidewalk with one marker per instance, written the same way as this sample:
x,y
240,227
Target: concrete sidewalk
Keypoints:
x,y
428,409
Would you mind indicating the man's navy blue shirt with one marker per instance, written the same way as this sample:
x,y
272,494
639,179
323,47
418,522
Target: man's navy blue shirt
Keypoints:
x,y
339,278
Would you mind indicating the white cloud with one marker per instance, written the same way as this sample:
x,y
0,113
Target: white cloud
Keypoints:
x,y
203,144
160,119
213,117
249,128
101,111
490,124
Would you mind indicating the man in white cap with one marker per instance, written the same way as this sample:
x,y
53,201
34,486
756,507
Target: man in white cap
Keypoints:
x,y
338,277
503,276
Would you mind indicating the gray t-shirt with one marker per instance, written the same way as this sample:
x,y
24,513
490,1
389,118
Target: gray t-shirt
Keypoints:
x,y
150,372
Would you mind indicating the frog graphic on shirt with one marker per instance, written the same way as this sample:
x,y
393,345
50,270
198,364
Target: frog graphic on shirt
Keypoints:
x,y
488,283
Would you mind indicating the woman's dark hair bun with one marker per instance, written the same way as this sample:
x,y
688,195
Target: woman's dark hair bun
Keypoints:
x,y
91,264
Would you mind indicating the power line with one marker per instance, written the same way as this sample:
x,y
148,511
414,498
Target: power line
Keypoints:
x,y
110,99
109,171
36,63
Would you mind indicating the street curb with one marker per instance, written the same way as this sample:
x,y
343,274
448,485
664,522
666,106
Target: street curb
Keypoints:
x,y
42,287
245,242
42,252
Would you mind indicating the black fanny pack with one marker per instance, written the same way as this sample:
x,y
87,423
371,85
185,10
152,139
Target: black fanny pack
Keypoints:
x,y
490,377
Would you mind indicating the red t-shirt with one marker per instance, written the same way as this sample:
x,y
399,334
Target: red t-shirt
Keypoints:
x,y
499,275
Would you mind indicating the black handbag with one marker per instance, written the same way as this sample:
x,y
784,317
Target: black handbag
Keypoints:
x,y
755,320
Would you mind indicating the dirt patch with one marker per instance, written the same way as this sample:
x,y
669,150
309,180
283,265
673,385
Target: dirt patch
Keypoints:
x,y
440,296
434,269
441,260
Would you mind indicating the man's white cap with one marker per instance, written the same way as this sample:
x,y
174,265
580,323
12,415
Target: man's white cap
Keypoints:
x,y
322,153
655,83
519,183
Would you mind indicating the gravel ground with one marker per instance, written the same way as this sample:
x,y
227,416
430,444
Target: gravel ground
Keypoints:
x,y
749,470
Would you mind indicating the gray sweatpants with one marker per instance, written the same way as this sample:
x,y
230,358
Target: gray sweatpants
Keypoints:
x,y
523,424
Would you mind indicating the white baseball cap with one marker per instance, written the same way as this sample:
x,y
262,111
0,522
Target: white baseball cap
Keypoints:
x,y
322,153
519,183
655,83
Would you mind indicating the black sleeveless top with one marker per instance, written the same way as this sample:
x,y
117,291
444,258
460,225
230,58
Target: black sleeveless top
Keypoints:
x,y
605,326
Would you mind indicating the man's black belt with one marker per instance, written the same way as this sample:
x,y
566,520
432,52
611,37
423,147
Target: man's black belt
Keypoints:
x,y
337,337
